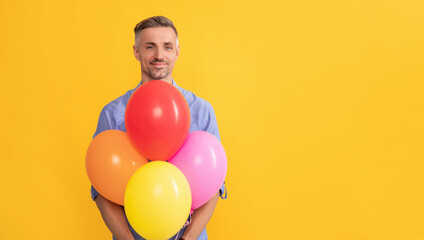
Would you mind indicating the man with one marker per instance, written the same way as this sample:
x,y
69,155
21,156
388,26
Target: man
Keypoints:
x,y
156,48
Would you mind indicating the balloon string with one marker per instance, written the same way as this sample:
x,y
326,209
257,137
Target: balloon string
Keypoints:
x,y
188,221
185,225
176,238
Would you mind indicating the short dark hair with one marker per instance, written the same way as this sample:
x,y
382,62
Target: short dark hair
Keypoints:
x,y
151,22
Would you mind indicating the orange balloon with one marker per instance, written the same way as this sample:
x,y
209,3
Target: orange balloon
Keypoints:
x,y
110,162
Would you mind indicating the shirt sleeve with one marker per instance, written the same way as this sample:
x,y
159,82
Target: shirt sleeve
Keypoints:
x,y
212,127
104,124
222,191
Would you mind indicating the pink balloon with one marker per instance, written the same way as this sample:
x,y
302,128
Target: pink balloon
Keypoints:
x,y
203,161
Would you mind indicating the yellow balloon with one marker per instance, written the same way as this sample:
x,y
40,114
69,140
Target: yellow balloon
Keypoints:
x,y
157,200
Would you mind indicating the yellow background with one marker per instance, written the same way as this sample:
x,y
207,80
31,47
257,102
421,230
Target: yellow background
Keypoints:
x,y
320,107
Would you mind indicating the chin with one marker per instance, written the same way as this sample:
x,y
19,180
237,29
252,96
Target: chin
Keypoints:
x,y
158,77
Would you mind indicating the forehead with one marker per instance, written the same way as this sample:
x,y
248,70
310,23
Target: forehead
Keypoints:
x,y
158,35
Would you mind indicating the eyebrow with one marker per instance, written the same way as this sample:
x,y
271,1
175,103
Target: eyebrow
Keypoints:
x,y
166,43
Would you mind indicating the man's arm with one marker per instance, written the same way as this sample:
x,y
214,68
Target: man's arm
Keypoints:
x,y
114,217
200,218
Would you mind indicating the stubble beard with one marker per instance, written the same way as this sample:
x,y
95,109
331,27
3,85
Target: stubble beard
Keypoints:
x,y
157,75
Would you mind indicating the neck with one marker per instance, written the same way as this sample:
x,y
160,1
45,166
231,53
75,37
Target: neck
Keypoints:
x,y
145,79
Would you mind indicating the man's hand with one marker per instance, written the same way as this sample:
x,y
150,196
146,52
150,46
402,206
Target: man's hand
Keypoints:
x,y
114,218
200,218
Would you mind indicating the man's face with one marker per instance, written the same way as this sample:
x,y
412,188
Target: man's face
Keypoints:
x,y
157,52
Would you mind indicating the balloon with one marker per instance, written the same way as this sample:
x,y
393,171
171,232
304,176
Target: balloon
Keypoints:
x,y
110,162
157,200
203,161
157,119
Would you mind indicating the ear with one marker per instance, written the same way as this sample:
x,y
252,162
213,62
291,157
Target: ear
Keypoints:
x,y
137,56
178,51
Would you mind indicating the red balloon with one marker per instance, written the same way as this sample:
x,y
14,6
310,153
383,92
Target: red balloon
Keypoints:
x,y
157,119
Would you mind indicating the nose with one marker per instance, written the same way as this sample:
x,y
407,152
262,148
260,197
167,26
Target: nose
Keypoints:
x,y
158,54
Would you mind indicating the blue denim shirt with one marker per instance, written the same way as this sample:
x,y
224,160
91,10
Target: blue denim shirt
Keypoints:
x,y
203,118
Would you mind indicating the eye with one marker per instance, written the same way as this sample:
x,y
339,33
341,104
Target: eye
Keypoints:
x,y
168,48
149,47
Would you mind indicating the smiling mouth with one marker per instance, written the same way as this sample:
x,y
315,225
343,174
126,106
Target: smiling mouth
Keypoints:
x,y
161,64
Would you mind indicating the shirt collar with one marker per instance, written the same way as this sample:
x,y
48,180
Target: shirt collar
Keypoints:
x,y
173,83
